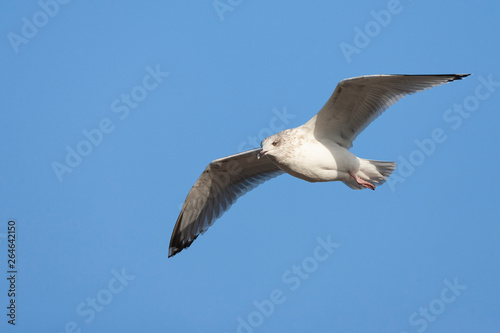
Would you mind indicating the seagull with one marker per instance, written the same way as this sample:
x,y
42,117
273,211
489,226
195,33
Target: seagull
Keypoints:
x,y
317,151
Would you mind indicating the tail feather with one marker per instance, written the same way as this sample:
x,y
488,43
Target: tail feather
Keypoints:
x,y
376,172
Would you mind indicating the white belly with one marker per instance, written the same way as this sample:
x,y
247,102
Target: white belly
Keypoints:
x,y
315,162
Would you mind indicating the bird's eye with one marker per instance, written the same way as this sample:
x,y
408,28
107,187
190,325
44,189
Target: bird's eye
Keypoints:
x,y
275,143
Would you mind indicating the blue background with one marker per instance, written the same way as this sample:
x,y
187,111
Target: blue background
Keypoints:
x,y
231,70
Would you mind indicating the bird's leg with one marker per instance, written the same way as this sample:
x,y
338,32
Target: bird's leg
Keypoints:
x,y
362,182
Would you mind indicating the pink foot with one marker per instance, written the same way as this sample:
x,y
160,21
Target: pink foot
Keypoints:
x,y
362,182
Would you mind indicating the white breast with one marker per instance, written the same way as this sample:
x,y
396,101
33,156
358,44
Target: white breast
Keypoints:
x,y
316,161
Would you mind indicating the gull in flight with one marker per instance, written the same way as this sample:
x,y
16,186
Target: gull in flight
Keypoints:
x,y
317,151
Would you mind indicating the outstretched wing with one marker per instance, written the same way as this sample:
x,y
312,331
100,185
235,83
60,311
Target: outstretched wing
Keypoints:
x,y
356,102
219,186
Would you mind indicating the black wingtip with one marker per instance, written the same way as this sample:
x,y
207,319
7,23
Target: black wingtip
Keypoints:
x,y
172,252
175,247
452,77
458,77
177,244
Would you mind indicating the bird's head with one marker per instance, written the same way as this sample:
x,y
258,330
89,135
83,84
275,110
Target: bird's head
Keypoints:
x,y
271,145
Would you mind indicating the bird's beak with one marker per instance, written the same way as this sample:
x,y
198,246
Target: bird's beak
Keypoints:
x,y
261,153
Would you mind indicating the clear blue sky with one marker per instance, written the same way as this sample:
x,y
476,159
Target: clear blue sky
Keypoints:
x,y
110,112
